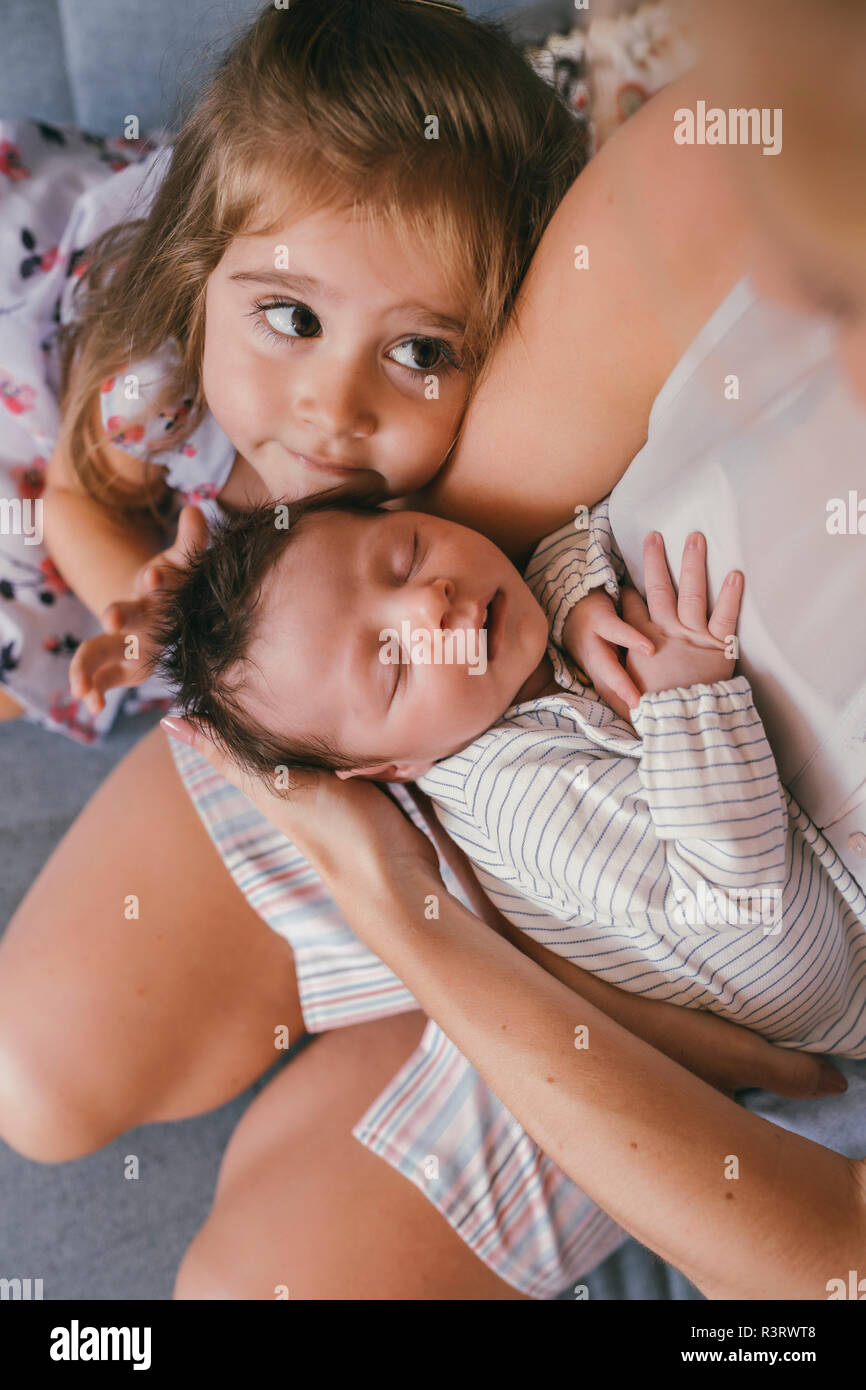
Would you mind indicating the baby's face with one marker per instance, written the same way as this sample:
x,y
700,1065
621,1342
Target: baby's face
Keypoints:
x,y
337,369
354,593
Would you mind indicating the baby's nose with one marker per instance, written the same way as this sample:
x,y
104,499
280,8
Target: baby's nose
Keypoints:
x,y
431,605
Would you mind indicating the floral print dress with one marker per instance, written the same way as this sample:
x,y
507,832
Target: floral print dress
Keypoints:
x,y
60,188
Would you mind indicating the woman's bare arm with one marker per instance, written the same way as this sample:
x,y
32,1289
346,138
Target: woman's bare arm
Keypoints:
x,y
563,405
715,1049
650,1142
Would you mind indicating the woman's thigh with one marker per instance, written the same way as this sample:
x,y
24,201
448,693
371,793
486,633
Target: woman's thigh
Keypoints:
x,y
136,983
302,1205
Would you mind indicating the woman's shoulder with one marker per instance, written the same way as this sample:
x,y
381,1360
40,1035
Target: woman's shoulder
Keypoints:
x,y
697,227
668,227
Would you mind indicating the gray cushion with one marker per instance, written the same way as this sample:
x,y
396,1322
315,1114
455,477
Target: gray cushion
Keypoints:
x,y
92,62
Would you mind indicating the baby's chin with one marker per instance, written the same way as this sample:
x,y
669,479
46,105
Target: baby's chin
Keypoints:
x,y
457,743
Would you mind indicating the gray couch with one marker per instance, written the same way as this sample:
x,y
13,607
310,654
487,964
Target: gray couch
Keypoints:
x,y
91,62
75,1226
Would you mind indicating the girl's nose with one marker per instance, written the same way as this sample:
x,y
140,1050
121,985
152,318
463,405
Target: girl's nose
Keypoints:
x,y
335,401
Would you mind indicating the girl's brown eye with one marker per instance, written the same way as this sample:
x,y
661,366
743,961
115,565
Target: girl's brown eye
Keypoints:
x,y
429,350
298,321
437,356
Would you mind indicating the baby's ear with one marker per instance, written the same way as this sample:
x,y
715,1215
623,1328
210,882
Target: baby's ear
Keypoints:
x,y
381,773
388,772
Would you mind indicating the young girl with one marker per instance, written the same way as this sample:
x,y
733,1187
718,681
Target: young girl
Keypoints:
x,y
172,374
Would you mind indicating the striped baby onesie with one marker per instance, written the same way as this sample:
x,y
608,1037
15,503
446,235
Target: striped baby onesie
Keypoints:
x,y
667,857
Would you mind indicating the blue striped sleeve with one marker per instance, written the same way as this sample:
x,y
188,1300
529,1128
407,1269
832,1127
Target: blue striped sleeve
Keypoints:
x,y
569,564
712,786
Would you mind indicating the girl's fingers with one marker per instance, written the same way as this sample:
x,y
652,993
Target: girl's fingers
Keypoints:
x,y
79,677
192,533
110,675
87,661
692,599
724,617
151,579
120,615
660,596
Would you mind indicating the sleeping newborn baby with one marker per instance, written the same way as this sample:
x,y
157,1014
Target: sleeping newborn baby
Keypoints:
x,y
659,851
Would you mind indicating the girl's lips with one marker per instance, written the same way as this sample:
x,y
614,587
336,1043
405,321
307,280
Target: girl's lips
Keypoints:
x,y
495,624
342,470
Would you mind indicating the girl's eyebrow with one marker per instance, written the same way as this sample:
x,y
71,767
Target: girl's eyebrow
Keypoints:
x,y
307,284
302,284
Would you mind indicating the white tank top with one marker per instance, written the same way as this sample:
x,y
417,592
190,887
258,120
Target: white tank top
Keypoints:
x,y
774,479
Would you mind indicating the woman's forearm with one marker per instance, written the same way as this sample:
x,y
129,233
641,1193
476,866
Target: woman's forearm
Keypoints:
x,y
744,1208
711,1047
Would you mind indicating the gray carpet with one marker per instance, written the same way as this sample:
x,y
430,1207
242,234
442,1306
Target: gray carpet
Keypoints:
x,y
81,1227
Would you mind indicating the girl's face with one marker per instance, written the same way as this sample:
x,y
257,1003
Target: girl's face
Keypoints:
x,y
330,356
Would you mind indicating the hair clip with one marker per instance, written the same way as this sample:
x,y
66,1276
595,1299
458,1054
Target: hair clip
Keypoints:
x,y
439,5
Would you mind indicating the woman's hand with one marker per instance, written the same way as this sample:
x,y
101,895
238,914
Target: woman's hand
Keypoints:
x,y
731,1058
125,654
345,829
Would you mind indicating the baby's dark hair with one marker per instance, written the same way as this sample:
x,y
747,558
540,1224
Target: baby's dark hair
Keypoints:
x,y
207,625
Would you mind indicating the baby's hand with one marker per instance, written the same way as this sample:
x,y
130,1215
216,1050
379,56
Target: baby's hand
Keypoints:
x,y
126,653
592,636
689,650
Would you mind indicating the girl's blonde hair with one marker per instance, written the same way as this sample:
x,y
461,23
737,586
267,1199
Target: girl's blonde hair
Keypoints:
x,y
332,104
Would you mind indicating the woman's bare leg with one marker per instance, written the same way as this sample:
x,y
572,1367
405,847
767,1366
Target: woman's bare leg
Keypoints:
x,y
109,1020
301,1204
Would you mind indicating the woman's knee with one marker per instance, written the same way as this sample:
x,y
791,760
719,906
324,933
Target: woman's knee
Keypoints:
x,y
41,1117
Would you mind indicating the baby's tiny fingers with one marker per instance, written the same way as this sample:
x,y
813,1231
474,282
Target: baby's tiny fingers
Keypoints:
x,y
723,621
609,676
692,598
634,610
660,595
624,635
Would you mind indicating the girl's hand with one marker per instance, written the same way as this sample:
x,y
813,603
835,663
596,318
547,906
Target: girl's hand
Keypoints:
x,y
689,649
125,654
344,828
593,635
